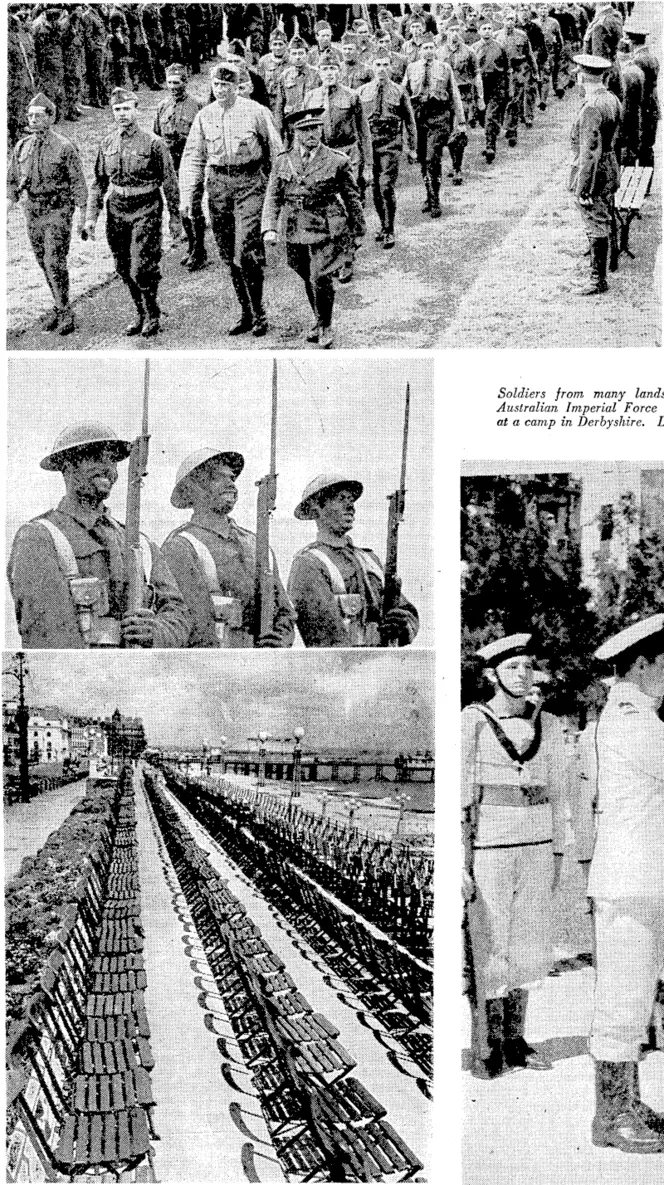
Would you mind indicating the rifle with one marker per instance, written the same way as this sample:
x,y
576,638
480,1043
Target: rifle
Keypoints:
x,y
397,502
267,500
138,467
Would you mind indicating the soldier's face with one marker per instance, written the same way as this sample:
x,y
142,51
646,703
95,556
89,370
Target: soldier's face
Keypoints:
x,y
279,49
652,678
224,91
324,38
509,19
39,119
416,31
453,40
175,86
381,68
338,513
216,482
329,74
516,674
429,49
486,32
309,138
124,114
91,473
298,57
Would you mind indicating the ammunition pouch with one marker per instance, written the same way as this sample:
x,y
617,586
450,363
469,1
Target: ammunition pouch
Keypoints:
x,y
360,632
89,596
227,614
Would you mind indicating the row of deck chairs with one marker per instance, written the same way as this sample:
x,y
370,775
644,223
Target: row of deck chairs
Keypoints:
x,y
324,1124
79,1064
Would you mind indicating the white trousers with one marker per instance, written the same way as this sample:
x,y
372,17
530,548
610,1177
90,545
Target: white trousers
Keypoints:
x,y
629,941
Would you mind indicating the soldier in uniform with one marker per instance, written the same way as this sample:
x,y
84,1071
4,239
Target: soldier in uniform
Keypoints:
x,y
94,46
49,60
133,167
67,569
646,61
437,106
355,71
21,73
595,175
398,62
295,84
633,81
390,117
554,46
173,119
412,48
514,781
602,38
323,46
45,170
521,62
233,143
214,560
468,78
627,883
336,587
494,67
324,216
272,65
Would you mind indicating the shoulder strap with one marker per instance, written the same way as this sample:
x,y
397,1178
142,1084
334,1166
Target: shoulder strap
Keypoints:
x,y
338,585
204,556
503,739
63,548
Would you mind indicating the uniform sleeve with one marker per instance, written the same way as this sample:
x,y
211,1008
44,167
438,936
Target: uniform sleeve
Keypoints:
x,y
457,105
644,734
363,133
77,183
590,151
583,789
409,121
559,765
274,200
471,722
318,617
169,180
45,613
350,195
283,620
13,178
270,138
192,165
173,621
156,126
182,564
100,182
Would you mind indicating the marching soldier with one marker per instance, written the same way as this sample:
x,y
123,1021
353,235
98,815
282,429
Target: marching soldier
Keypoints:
x,y
323,46
601,40
173,119
67,570
336,587
133,167
595,175
324,216
214,560
437,107
515,774
521,64
295,84
355,71
390,117
232,145
627,883
633,81
398,62
554,47
46,171
47,36
494,67
272,65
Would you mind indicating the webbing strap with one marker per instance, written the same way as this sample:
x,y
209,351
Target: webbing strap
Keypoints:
x,y
63,549
370,565
205,559
338,585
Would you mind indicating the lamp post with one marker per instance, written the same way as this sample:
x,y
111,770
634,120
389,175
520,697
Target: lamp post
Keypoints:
x,y
22,720
297,766
224,744
403,799
262,738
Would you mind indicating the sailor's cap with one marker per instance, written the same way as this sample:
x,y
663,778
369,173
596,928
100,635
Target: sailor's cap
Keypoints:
x,y
77,437
632,638
180,496
591,64
325,481
503,648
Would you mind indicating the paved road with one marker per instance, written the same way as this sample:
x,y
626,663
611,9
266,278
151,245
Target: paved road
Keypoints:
x,y
29,824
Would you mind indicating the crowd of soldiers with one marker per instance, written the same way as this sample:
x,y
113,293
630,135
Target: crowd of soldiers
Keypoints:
x,y
298,126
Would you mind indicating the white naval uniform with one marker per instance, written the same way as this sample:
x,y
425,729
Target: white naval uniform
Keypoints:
x,y
510,918
627,872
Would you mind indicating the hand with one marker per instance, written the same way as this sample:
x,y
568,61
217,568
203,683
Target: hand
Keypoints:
x,y
395,624
138,628
90,231
467,886
270,238
174,226
412,156
586,202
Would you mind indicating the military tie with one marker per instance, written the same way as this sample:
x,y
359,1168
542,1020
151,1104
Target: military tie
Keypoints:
x,y
327,122
34,185
381,99
426,84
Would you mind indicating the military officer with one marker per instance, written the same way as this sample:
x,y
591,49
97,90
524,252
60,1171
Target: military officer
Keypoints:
x,y
437,106
390,116
494,67
324,216
133,167
295,83
336,587
173,119
627,883
45,171
595,175
272,65
521,64
213,559
67,570
514,783
232,145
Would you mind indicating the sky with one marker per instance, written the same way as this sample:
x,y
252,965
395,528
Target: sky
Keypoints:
x,y
381,700
336,414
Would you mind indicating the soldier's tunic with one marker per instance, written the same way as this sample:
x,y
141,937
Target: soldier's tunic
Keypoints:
x,y
554,47
436,103
627,872
46,171
645,59
521,64
595,173
233,552
518,800
628,146
47,38
494,68
172,122
390,115
602,38
73,59
22,71
45,612
467,76
313,56
356,74
345,125
134,166
337,590
323,216
94,47
270,69
238,146
293,90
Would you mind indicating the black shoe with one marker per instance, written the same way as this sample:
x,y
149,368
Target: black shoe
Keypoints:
x,y
488,1067
427,206
260,326
388,241
50,321
151,326
528,123
520,1055
380,237
457,179
511,141
618,1122
134,328
542,106
325,338
244,325
66,323
313,333
489,156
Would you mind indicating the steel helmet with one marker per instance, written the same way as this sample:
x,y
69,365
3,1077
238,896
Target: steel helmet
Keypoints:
x,y
325,481
180,496
77,437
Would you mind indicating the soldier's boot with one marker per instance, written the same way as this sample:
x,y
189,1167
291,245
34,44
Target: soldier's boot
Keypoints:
x,y
253,276
151,324
188,230
198,258
136,326
617,1122
246,321
390,214
50,320
436,209
314,332
487,1041
654,1119
426,208
517,1052
457,161
325,303
599,258
66,323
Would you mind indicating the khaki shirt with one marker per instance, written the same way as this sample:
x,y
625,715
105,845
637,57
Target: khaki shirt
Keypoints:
x,y
133,157
48,170
243,134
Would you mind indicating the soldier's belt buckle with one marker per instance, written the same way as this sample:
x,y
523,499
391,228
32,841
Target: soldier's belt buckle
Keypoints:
x,y
226,611
350,604
89,592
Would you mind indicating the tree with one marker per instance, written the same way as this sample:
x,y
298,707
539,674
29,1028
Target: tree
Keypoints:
x,y
522,572
634,589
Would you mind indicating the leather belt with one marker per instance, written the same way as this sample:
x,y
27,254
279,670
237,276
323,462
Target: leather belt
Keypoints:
x,y
229,170
513,795
134,190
